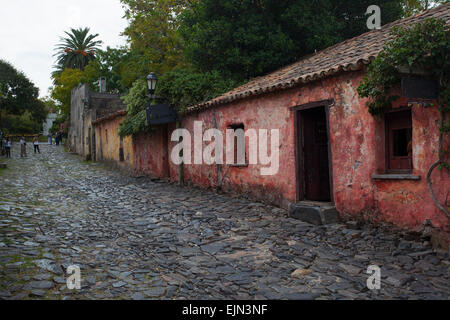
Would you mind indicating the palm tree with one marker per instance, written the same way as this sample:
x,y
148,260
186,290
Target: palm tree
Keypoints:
x,y
76,50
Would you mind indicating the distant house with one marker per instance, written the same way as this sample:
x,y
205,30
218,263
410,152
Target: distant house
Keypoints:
x,y
333,155
86,107
48,123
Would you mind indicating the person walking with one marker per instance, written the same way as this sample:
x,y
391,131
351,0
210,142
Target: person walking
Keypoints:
x,y
23,147
4,146
58,138
49,138
8,148
36,145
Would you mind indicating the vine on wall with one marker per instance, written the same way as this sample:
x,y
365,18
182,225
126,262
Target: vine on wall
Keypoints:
x,y
425,47
136,101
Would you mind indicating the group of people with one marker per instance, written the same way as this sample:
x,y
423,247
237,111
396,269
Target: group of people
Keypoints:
x,y
57,139
6,144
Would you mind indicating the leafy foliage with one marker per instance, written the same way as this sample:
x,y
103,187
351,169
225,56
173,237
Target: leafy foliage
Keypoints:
x,y
424,46
21,124
136,101
153,35
412,7
18,95
18,92
247,38
76,50
64,84
112,65
184,87
56,127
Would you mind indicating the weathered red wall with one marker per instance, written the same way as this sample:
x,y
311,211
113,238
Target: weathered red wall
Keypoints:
x,y
150,150
408,203
357,145
268,112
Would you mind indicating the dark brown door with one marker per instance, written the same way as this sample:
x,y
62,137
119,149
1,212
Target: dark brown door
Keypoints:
x,y
315,152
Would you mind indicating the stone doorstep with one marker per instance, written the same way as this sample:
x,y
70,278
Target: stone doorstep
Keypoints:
x,y
317,213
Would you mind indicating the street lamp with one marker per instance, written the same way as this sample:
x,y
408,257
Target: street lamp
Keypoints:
x,y
152,80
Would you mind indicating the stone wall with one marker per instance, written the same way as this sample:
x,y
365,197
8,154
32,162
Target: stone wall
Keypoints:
x,y
86,107
76,132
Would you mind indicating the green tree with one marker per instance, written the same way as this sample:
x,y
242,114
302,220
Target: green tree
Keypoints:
x,y
18,92
22,124
112,65
247,38
64,84
50,104
184,87
136,101
153,36
352,19
18,95
412,7
76,50
56,127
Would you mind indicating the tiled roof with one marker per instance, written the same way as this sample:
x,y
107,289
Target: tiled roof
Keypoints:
x,y
110,116
349,55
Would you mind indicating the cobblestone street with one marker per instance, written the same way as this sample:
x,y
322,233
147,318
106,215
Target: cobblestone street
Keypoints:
x,y
139,239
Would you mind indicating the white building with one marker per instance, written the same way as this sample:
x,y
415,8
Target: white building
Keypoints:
x,y
48,123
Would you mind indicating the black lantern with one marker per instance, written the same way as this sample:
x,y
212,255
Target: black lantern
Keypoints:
x,y
152,80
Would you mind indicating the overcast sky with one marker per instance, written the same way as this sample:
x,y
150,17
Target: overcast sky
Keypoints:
x,y
29,30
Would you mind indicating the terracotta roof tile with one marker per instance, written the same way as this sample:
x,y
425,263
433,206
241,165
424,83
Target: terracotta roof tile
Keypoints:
x,y
348,55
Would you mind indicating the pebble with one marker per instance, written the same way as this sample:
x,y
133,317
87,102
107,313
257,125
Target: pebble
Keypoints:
x,y
119,284
42,284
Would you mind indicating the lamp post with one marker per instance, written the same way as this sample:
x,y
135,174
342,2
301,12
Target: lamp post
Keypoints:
x,y
152,80
161,114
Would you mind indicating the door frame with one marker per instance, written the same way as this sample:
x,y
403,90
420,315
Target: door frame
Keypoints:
x,y
299,154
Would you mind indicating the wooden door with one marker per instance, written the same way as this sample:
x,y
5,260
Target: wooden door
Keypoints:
x,y
315,152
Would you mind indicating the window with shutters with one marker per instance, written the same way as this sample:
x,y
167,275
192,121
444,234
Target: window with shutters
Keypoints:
x,y
399,141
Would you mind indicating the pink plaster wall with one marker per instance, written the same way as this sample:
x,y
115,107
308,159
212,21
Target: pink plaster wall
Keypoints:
x,y
150,150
